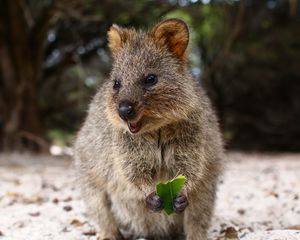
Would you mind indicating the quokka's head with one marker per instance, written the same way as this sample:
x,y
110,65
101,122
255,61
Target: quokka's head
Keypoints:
x,y
150,85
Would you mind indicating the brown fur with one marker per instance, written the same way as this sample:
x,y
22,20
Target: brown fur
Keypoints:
x,y
179,135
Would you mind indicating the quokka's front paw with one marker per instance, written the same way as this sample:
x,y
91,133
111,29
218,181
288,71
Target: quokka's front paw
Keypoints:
x,y
154,202
180,202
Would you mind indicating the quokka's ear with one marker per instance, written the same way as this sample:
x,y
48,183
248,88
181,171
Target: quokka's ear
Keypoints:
x,y
174,34
117,36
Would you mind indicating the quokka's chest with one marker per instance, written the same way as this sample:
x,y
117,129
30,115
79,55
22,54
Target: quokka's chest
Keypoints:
x,y
148,162
153,151
141,167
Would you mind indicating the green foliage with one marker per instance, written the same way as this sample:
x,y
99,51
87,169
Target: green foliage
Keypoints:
x,y
59,137
212,25
168,191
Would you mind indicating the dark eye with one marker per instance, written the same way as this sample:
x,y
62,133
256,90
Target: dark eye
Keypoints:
x,y
150,80
117,85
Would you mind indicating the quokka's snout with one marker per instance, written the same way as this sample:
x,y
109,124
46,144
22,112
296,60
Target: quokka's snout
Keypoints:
x,y
127,110
128,113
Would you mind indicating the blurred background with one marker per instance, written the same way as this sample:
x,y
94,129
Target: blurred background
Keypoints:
x,y
54,56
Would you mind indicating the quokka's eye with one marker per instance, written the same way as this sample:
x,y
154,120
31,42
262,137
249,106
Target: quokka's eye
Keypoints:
x,y
117,85
150,80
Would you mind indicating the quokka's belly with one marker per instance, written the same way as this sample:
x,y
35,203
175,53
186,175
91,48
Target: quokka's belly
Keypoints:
x,y
136,220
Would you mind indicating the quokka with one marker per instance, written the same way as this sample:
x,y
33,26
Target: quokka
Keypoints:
x,y
149,122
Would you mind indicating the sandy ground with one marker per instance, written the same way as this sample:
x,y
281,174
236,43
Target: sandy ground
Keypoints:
x,y
258,199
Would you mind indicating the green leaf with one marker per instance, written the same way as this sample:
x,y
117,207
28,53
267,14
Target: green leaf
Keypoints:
x,y
168,191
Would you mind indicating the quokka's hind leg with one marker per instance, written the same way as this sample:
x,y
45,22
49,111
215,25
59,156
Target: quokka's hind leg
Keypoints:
x,y
198,214
99,209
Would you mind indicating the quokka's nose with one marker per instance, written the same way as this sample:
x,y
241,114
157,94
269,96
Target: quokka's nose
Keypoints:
x,y
126,110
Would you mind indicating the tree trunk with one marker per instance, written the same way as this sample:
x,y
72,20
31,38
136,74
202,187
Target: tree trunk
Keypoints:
x,y
20,123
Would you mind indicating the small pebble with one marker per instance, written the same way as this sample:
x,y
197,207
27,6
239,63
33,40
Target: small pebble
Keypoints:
x,y
241,211
35,214
89,233
68,208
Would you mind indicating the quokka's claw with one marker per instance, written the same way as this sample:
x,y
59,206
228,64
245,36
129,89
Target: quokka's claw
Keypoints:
x,y
154,202
180,202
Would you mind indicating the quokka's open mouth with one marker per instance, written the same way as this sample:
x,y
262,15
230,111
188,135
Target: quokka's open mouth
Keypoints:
x,y
134,127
